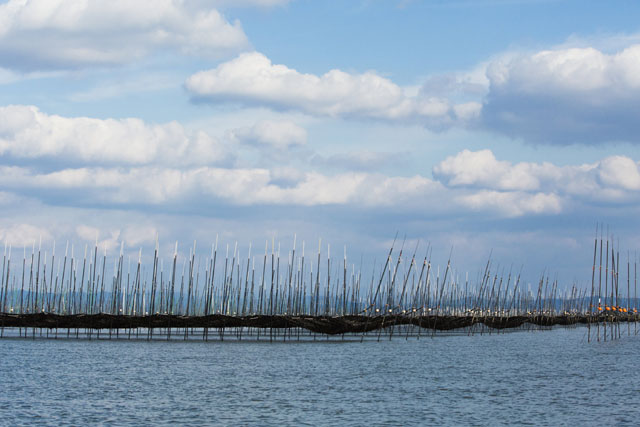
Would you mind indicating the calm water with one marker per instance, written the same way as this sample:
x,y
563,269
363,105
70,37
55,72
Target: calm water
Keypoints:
x,y
536,378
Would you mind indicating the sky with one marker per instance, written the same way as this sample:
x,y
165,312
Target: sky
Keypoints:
x,y
502,128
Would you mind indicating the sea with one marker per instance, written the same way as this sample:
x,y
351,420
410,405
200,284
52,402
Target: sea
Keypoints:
x,y
562,376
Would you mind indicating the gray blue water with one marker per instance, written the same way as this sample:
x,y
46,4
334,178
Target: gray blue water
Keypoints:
x,y
530,378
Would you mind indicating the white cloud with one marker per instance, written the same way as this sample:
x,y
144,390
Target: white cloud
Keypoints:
x,y
140,235
469,180
619,171
406,193
482,169
154,186
569,70
51,34
206,187
26,132
513,203
494,189
614,178
111,240
130,164
512,190
86,232
93,235
23,235
251,78
277,134
564,96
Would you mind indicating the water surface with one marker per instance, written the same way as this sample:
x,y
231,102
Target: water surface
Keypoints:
x,y
530,378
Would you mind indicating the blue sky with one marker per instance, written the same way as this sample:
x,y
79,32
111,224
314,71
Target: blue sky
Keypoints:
x,y
506,126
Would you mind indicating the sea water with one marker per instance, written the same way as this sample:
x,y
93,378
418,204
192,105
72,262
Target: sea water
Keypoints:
x,y
551,377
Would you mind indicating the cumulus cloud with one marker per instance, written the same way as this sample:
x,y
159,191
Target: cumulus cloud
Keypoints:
x,y
28,133
140,235
165,187
63,34
23,235
276,134
113,238
565,96
513,203
613,179
130,164
92,234
482,169
251,78
467,182
86,232
619,171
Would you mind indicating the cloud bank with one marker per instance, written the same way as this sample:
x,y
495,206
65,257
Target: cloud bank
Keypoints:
x,y
28,133
560,96
67,34
253,79
565,96
614,179
130,163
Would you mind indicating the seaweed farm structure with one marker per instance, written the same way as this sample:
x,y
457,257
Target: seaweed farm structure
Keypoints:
x,y
296,297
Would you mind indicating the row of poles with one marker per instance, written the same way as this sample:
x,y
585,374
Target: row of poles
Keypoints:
x,y
606,302
296,285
